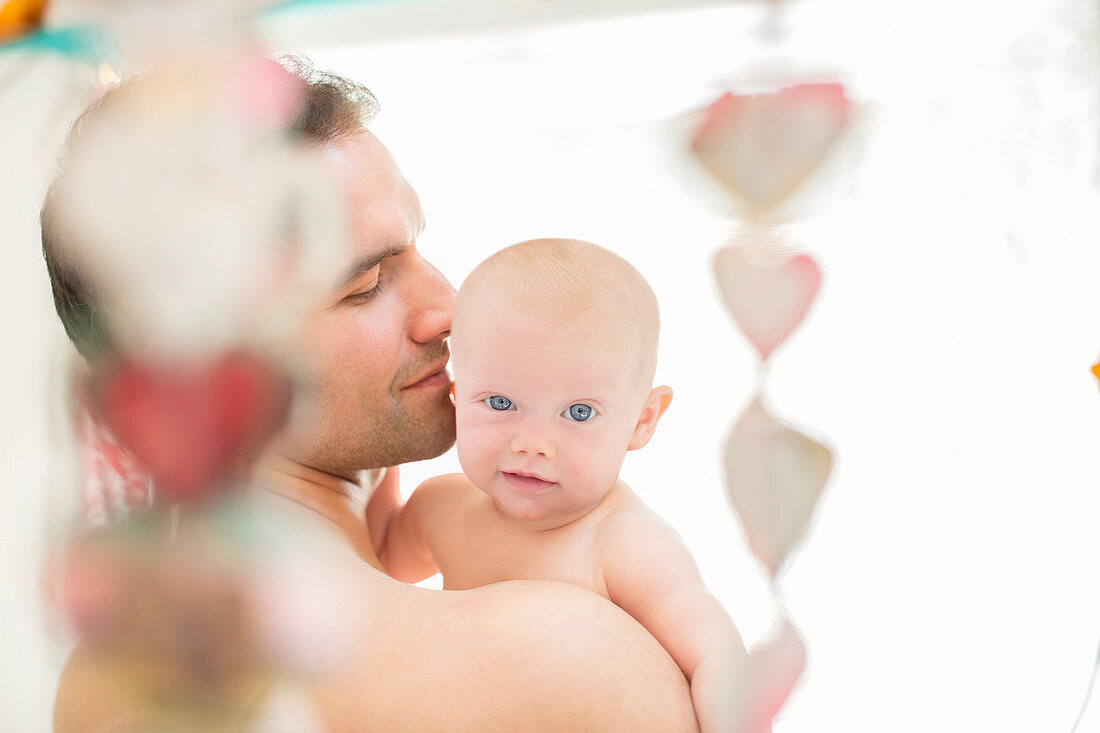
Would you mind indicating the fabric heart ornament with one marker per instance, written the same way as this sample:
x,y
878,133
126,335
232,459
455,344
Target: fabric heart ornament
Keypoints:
x,y
766,300
775,668
263,91
92,583
774,476
762,147
190,425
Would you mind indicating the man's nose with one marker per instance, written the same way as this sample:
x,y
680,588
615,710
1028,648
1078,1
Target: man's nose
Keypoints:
x,y
532,440
432,320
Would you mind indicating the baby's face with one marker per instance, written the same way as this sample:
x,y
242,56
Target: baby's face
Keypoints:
x,y
544,414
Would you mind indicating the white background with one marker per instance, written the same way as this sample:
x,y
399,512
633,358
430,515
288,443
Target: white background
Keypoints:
x,y
949,580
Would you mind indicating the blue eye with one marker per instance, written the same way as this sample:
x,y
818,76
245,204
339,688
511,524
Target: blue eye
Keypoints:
x,y
579,412
498,403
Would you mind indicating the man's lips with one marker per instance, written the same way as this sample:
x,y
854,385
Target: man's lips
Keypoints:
x,y
527,482
436,378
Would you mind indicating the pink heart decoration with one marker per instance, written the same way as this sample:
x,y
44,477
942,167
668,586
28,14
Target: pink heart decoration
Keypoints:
x,y
763,147
263,92
775,668
92,585
774,476
190,426
766,301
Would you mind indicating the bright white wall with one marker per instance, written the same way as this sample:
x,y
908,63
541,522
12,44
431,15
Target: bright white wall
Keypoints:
x,y
39,95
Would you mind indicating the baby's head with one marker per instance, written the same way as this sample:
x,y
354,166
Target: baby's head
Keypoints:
x,y
555,349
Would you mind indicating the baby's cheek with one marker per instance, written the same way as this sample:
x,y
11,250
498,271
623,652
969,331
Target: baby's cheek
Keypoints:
x,y
476,445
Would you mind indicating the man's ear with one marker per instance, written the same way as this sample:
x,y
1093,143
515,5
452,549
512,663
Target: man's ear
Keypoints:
x,y
655,405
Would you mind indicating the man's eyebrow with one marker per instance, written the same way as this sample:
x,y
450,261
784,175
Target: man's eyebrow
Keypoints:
x,y
367,263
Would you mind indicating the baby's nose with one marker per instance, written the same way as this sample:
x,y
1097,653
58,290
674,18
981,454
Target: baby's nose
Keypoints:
x,y
533,442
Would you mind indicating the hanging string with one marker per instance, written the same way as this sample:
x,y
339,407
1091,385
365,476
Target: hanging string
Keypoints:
x,y
1088,692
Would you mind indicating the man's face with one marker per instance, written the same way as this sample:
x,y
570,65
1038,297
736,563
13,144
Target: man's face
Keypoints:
x,y
378,391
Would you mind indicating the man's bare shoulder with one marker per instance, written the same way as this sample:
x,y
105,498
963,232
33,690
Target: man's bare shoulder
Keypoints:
x,y
519,655
86,701
614,674
530,655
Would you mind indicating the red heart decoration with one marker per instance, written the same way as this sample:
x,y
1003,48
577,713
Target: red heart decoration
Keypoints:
x,y
189,426
763,147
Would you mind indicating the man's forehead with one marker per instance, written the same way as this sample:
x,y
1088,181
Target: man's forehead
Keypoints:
x,y
385,211
362,165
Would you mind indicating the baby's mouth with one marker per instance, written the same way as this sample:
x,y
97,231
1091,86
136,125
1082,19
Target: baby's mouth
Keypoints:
x,y
527,483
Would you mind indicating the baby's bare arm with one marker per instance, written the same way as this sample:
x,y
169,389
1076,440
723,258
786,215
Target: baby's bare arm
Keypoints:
x,y
406,549
384,501
651,575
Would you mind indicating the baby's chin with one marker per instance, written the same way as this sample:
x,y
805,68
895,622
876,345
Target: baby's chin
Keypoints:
x,y
527,510
542,515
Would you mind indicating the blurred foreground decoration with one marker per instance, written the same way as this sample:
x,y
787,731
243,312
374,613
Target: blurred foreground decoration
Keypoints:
x,y
237,236
191,427
209,233
762,149
24,24
20,17
193,614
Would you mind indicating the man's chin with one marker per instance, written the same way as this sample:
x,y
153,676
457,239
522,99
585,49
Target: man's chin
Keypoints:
x,y
429,434
408,433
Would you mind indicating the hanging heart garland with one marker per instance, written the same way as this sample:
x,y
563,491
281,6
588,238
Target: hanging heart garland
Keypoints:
x,y
189,426
774,476
767,300
763,147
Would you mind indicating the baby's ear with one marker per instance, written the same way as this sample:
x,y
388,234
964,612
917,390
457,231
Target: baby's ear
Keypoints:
x,y
655,405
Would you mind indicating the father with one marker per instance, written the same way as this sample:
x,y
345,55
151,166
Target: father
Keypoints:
x,y
511,656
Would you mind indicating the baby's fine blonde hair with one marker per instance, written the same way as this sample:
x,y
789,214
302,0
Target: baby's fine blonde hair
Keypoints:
x,y
564,280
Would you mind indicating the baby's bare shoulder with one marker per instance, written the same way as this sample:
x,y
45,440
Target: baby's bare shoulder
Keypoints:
x,y
447,483
630,521
436,504
446,489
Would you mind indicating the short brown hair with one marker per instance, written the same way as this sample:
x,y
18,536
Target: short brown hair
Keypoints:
x,y
333,108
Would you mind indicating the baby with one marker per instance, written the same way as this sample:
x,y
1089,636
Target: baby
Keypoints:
x,y
555,349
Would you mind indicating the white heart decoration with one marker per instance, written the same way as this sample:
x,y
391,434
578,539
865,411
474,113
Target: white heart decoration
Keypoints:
x,y
766,301
763,147
774,476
